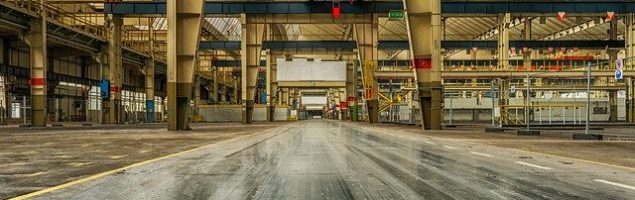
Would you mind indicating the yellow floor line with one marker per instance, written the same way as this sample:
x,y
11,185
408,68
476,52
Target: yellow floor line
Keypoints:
x,y
118,170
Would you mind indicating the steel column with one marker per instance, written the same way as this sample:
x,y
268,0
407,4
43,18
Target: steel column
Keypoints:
x,y
527,36
629,36
36,38
252,36
197,90
366,36
272,86
150,106
112,106
351,86
630,100
424,30
612,57
184,19
215,84
504,21
149,74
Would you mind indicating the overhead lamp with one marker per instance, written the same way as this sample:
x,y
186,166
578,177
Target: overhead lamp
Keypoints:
x,y
610,16
562,16
336,9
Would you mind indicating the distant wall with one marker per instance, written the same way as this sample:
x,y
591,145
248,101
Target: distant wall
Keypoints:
x,y
304,70
233,113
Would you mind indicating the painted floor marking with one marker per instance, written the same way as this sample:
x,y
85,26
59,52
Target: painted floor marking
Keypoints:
x,y
533,165
482,154
117,157
615,184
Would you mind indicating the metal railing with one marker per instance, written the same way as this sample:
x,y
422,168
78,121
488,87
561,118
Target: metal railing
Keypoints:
x,y
82,22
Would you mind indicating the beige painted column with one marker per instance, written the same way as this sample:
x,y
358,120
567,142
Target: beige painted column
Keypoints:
x,y
113,106
150,107
424,26
629,63
527,36
184,26
36,38
149,75
252,36
504,20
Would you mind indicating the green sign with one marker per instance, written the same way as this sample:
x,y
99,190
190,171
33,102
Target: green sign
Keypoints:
x,y
396,15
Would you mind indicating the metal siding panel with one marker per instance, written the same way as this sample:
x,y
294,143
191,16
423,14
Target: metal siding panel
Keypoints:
x,y
608,7
520,7
213,8
587,7
564,7
233,8
256,8
233,45
541,8
498,8
304,45
278,9
321,8
476,8
147,8
299,8
124,8
452,7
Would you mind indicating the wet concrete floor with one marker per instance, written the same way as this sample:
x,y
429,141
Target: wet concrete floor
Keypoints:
x,y
320,159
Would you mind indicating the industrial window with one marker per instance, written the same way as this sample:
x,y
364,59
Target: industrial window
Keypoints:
x,y
158,104
94,98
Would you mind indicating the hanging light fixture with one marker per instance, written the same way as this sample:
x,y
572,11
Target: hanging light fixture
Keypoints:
x,y
336,9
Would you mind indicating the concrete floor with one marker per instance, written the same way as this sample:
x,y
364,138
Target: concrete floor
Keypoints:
x,y
32,160
332,160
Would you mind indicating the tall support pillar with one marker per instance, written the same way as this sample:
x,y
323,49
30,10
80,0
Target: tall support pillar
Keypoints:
x,y
629,63
424,26
112,106
235,99
150,90
252,36
630,100
366,36
36,38
184,24
150,108
342,99
612,57
215,84
272,86
629,36
527,36
351,86
197,90
504,21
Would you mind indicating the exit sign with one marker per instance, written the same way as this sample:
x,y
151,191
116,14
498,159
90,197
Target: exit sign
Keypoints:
x,y
396,15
